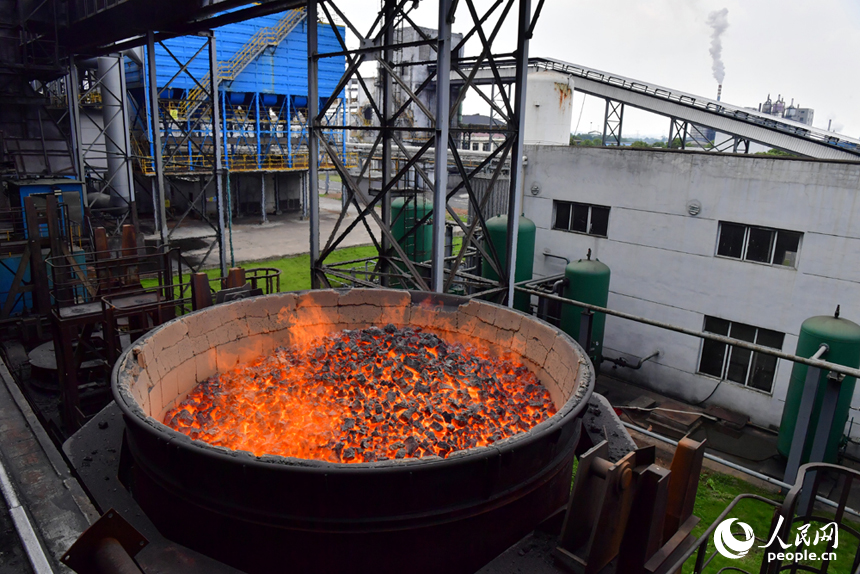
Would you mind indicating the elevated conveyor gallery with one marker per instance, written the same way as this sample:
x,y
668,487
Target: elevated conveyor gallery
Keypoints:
x,y
740,122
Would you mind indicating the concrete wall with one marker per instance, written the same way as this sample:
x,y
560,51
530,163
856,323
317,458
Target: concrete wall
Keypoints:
x,y
663,259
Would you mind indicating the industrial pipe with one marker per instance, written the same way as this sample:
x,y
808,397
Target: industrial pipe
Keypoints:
x,y
841,369
111,558
114,122
622,362
566,260
416,149
743,469
543,304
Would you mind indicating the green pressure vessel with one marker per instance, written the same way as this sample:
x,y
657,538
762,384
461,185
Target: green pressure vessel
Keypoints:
x,y
843,338
404,215
497,233
588,282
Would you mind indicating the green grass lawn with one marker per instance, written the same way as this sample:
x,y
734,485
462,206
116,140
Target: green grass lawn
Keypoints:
x,y
295,270
716,491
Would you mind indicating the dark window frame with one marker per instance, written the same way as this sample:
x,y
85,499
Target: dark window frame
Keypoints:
x,y
730,357
595,215
749,249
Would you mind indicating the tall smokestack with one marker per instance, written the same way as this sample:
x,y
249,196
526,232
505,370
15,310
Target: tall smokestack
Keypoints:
x,y
719,91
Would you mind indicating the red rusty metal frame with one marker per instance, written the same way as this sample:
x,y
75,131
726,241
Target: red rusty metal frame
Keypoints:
x,y
631,517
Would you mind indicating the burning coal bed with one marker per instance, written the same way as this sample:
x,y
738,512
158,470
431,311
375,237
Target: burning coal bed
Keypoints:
x,y
365,395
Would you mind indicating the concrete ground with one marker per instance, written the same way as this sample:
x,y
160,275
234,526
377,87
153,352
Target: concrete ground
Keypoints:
x,y
282,235
51,497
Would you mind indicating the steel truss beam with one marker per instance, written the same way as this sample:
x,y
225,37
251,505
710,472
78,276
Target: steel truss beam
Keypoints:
x,y
613,122
402,159
677,130
705,139
98,91
190,139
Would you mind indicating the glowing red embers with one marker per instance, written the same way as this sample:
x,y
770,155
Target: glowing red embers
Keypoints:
x,y
365,395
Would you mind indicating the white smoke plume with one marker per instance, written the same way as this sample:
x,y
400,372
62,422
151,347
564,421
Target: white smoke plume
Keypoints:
x,y
718,20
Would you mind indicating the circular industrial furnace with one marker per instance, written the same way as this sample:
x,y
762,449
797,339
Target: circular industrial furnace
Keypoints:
x,y
427,514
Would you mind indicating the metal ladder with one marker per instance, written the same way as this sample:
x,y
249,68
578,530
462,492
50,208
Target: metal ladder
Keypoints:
x,y
230,70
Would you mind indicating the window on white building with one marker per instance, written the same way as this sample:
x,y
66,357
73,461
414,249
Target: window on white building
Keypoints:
x,y
739,365
758,244
487,146
476,146
580,217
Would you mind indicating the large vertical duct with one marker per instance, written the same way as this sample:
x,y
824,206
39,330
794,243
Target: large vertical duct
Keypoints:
x,y
549,110
115,135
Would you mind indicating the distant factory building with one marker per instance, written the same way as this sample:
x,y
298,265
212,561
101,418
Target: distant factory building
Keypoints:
x,y
791,112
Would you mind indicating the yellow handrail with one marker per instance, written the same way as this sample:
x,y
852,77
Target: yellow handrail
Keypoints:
x,y
184,163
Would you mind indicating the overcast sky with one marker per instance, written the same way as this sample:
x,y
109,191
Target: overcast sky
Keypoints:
x,y
802,49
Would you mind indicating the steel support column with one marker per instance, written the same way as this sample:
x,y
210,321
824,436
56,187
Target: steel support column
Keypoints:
x,y
158,189
613,123
677,129
263,218
72,97
443,102
313,143
386,124
129,153
515,199
223,235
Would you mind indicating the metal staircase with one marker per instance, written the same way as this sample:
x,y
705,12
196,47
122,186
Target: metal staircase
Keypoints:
x,y
230,70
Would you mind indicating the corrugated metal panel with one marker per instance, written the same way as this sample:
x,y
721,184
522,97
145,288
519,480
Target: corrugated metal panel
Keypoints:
x,y
497,204
282,70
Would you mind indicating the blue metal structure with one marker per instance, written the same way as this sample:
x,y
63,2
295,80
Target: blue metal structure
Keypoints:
x,y
263,95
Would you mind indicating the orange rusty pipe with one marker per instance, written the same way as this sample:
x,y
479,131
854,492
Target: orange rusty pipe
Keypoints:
x,y
235,278
111,558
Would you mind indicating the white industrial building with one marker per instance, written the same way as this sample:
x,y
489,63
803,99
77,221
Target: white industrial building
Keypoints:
x,y
744,245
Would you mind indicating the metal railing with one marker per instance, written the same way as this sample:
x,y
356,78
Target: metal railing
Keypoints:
x,y
817,363
229,70
796,509
185,163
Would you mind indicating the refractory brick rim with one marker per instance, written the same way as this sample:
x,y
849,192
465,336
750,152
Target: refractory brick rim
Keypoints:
x,y
159,369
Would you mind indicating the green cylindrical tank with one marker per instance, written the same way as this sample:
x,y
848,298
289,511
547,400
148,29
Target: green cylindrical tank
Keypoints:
x,y
843,337
587,281
497,233
404,215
